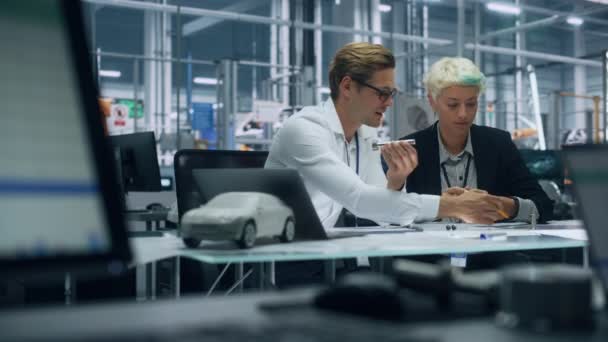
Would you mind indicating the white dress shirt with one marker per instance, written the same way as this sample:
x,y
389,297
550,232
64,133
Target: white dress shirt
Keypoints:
x,y
312,141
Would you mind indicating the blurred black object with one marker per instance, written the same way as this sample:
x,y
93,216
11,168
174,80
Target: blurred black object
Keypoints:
x,y
545,298
369,294
544,165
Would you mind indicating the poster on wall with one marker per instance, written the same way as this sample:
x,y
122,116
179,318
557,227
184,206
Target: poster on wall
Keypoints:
x,y
123,115
203,123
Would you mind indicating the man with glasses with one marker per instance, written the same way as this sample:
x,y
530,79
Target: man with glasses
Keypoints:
x,y
331,146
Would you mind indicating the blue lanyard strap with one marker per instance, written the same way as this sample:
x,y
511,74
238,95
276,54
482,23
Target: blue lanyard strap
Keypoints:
x,y
348,152
357,148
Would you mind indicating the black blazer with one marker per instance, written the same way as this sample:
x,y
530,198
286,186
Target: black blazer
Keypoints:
x,y
500,169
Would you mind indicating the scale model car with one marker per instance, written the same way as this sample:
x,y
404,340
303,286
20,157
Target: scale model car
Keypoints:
x,y
238,216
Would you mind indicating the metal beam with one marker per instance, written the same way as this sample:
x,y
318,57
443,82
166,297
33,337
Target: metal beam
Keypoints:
x,y
257,19
200,24
540,10
526,26
532,54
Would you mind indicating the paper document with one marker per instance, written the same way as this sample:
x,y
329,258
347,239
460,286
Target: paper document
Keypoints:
x,y
384,229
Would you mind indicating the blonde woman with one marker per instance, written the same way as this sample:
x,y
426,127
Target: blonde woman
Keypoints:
x,y
455,153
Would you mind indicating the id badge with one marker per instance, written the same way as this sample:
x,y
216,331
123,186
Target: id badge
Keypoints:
x,y
458,259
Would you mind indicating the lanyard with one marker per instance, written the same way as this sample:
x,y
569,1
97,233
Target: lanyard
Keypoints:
x,y
466,173
356,149
344,214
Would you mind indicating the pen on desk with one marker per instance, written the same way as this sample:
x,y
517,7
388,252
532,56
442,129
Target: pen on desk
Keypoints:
x,y
503,214
488,236
376,145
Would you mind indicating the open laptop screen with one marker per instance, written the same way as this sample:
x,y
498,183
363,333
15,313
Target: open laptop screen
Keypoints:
x,y
55,200
587,167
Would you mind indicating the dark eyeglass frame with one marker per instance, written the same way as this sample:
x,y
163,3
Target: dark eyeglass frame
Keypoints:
x,y
383,94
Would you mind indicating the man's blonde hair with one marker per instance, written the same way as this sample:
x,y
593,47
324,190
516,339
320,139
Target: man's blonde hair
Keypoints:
x,y
453,71
359,61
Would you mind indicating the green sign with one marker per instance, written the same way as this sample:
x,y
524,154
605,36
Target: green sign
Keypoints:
x,y
136,109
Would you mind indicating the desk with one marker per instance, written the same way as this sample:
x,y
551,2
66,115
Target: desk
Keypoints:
x,y
433,240
145,283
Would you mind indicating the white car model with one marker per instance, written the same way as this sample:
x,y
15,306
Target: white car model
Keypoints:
x,y
239,216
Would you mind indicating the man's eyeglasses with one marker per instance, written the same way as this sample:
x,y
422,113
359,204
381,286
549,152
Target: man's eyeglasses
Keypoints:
x,y
383,94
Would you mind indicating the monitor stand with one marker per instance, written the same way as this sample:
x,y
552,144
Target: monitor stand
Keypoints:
x,y
149,216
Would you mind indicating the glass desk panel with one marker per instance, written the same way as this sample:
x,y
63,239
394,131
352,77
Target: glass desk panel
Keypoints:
x,y
430,241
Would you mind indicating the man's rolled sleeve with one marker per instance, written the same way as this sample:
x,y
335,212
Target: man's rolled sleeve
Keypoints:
x,y
429,207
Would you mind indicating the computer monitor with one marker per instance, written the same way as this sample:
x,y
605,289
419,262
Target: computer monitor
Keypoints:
x,y
137,161
60,210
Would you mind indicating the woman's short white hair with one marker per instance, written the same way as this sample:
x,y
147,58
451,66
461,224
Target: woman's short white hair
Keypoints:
x,y
453,71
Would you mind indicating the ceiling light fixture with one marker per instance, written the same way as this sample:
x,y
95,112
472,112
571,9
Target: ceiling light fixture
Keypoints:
x,y
384,8
110,73
503,8
576,21
205,80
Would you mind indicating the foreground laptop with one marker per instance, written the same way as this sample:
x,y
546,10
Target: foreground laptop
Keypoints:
x,y
60,207
587,167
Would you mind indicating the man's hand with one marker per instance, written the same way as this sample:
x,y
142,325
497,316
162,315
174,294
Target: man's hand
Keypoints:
x,y
471,207
401,159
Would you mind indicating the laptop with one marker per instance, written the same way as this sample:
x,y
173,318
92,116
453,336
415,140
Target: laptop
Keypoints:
x,y
60,205
285,184
187,160
587,167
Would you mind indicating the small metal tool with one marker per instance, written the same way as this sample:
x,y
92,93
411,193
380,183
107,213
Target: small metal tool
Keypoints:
x,y
376,145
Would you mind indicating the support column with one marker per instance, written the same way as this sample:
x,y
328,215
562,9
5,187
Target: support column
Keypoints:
x,y
460,29
520,44
151,98
226,103
318,51
284,50
375,20
274,50
157,74
580,81
399,48
580,77
480,119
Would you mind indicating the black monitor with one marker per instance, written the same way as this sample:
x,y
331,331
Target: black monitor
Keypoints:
x,y
60,210
185,161
137,161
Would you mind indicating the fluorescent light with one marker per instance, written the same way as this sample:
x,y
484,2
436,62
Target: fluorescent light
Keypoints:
x,y
603,2
205,80
576,21
110,73
324,90
385,8
503,8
